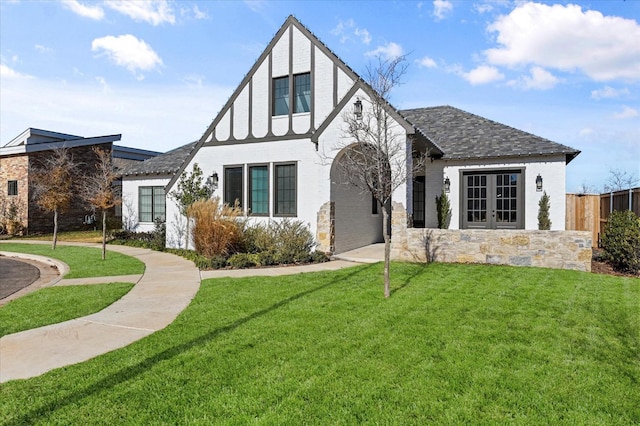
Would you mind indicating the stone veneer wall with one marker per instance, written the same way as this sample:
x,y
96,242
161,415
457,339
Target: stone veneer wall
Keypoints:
x,y
325,234
549,249
15,168
73,218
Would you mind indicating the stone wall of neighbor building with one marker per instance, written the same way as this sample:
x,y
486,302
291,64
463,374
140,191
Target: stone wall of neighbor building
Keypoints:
x,y
14,168
547,249
74,218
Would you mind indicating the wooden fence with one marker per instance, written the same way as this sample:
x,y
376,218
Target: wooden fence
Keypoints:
x,y
591,212
583,214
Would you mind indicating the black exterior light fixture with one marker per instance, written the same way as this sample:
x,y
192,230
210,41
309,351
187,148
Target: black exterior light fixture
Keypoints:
x,y
357,109
447,184
539,183
212,182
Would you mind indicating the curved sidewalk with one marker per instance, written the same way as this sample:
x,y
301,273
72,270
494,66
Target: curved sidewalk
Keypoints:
x,y
167,287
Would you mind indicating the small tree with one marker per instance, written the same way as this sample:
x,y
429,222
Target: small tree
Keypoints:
x,y
443,207
52,184
377,163
620,179
621,241
98,190
190,189
544,205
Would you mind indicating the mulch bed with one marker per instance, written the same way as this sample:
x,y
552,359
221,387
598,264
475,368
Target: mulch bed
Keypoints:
x,y
600,267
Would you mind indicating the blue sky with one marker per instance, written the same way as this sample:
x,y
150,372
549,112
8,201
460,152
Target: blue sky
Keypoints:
x,y
159,71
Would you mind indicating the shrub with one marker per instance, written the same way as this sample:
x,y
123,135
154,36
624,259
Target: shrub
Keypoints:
x,y
243,260
544,221
621,241
154,240
217,228
443,207
281,242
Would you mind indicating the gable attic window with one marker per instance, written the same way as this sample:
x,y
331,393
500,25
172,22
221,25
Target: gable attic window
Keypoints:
x,y
12,187
281,96
301,94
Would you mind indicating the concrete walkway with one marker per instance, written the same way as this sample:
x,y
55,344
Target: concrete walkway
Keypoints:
x,y
166,289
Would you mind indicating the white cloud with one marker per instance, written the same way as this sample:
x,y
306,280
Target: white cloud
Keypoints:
x,y
129,52
364,35
345,29
10,73
199,14
608,92
43,49
441,8
92,12
390,50
103,84
567,38
482,74
427,62
155,12
146,120
539,79
627,112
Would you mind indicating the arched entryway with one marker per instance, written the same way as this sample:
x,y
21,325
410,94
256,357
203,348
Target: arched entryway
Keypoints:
x,y
357,217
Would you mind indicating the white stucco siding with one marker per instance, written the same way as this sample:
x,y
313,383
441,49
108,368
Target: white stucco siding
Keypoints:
x,y
223,129
552,170
280,56
260,102
312,175
241,114
302,47
323,96
301,123
130,201
345,83
280,125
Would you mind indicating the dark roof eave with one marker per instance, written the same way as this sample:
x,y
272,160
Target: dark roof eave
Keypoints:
x,y
568,156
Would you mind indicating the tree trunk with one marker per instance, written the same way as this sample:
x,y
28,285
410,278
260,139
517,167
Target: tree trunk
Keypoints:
x,y
55,229
387,252
104,234
186,236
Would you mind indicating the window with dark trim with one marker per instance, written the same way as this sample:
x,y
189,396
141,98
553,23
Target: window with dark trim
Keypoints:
x,y
280,96
233,185
151,203
285,190
259,190
302,101
12,187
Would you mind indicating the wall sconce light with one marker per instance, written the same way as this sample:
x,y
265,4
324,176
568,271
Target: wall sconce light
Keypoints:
x,y
212,182
357,108
447,184
539,183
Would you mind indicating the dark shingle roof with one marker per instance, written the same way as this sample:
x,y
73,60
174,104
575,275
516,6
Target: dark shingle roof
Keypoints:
x,y
167,163
462,135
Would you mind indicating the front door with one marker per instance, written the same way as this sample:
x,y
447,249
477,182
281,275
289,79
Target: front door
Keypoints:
x,y
493,200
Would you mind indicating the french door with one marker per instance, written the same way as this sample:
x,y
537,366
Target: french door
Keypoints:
x,y
493,200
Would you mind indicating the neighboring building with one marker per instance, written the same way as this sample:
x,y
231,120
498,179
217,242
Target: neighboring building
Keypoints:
x,y
275,145
27,149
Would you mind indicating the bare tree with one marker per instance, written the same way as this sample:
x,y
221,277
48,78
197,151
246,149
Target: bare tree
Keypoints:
x,y
620,179
379,161
98,191
52,184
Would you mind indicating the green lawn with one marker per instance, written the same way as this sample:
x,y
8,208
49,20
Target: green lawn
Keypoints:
x,y
56,304
84,262
455,344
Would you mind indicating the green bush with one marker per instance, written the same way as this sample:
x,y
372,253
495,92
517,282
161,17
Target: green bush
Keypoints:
x,y
243,260
281,242
621,241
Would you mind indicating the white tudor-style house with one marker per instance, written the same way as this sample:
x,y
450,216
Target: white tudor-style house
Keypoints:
x,y
275,145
